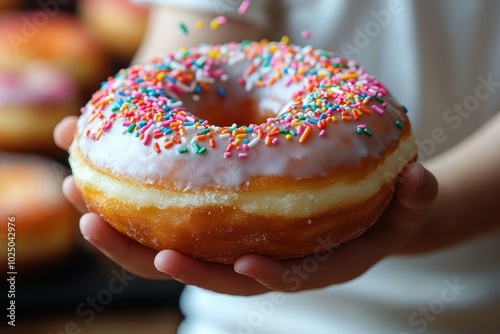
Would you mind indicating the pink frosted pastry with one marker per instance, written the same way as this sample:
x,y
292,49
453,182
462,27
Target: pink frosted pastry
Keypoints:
x,y
32,101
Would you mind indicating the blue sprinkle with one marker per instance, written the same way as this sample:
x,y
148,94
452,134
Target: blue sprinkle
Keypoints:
x,y
222,92
405,109
166,130
172,80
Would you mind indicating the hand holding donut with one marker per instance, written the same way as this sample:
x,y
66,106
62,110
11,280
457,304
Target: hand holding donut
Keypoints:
x,y
253,274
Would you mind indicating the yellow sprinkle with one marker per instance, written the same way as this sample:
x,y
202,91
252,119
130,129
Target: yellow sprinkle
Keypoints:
x,y
288,137
241,136
214,25
160,76
350,76
199,24
285,39
236,142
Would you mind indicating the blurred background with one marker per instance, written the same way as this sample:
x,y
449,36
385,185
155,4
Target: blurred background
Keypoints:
x,y
53,55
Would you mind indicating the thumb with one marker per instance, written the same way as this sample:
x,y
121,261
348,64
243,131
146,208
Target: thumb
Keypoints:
x,y
417,187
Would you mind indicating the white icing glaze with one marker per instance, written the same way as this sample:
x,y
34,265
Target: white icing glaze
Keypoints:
x,y
124,154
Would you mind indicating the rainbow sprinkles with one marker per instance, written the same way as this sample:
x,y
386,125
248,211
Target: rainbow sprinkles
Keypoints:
x,y
146,99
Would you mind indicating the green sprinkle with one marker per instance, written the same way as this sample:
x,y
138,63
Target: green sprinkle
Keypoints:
x,y
202,150
399,124
368,132
359,130
196,147
183,28
204,131
182,150
131,128
293,133
379,99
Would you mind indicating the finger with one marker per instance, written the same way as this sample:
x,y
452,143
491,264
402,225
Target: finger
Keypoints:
x,y
64,132
327,267
213,276
132,256
417,187
73,195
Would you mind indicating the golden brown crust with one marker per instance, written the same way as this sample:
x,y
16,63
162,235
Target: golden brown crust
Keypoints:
x,y
222,234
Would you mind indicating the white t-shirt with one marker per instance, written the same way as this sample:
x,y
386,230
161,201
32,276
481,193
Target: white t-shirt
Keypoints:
x,y
441,60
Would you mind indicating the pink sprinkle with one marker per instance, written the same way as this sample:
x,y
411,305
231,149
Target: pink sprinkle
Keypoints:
x,y
384,104
227,154
275,141
377,109
322,133
106,126
306,34
361,126
244,7
241,81
243,155
221,19
147,138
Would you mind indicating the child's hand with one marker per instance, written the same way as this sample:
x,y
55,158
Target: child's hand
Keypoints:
x,y
254,274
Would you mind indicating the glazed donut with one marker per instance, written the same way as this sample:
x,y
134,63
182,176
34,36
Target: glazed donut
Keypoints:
x,y
45,223
57,40
32,101
257,147
121,33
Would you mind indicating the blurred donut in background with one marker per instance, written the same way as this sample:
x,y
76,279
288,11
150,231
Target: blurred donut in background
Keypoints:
x,y
55,38
119,25
10,4
44,223
33,99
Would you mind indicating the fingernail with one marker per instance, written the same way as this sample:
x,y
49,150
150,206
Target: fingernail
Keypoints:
x,y
414,169
248,272
174,274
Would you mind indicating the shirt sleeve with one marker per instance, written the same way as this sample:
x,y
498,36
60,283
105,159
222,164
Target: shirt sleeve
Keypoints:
x,y
257,12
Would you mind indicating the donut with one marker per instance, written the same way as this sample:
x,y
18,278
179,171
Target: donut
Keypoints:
x,y
242,148
121,33
56,40
32,101
10,4
45,225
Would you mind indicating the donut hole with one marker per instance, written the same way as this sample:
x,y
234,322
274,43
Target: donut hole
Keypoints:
x,y
226,113
237,106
